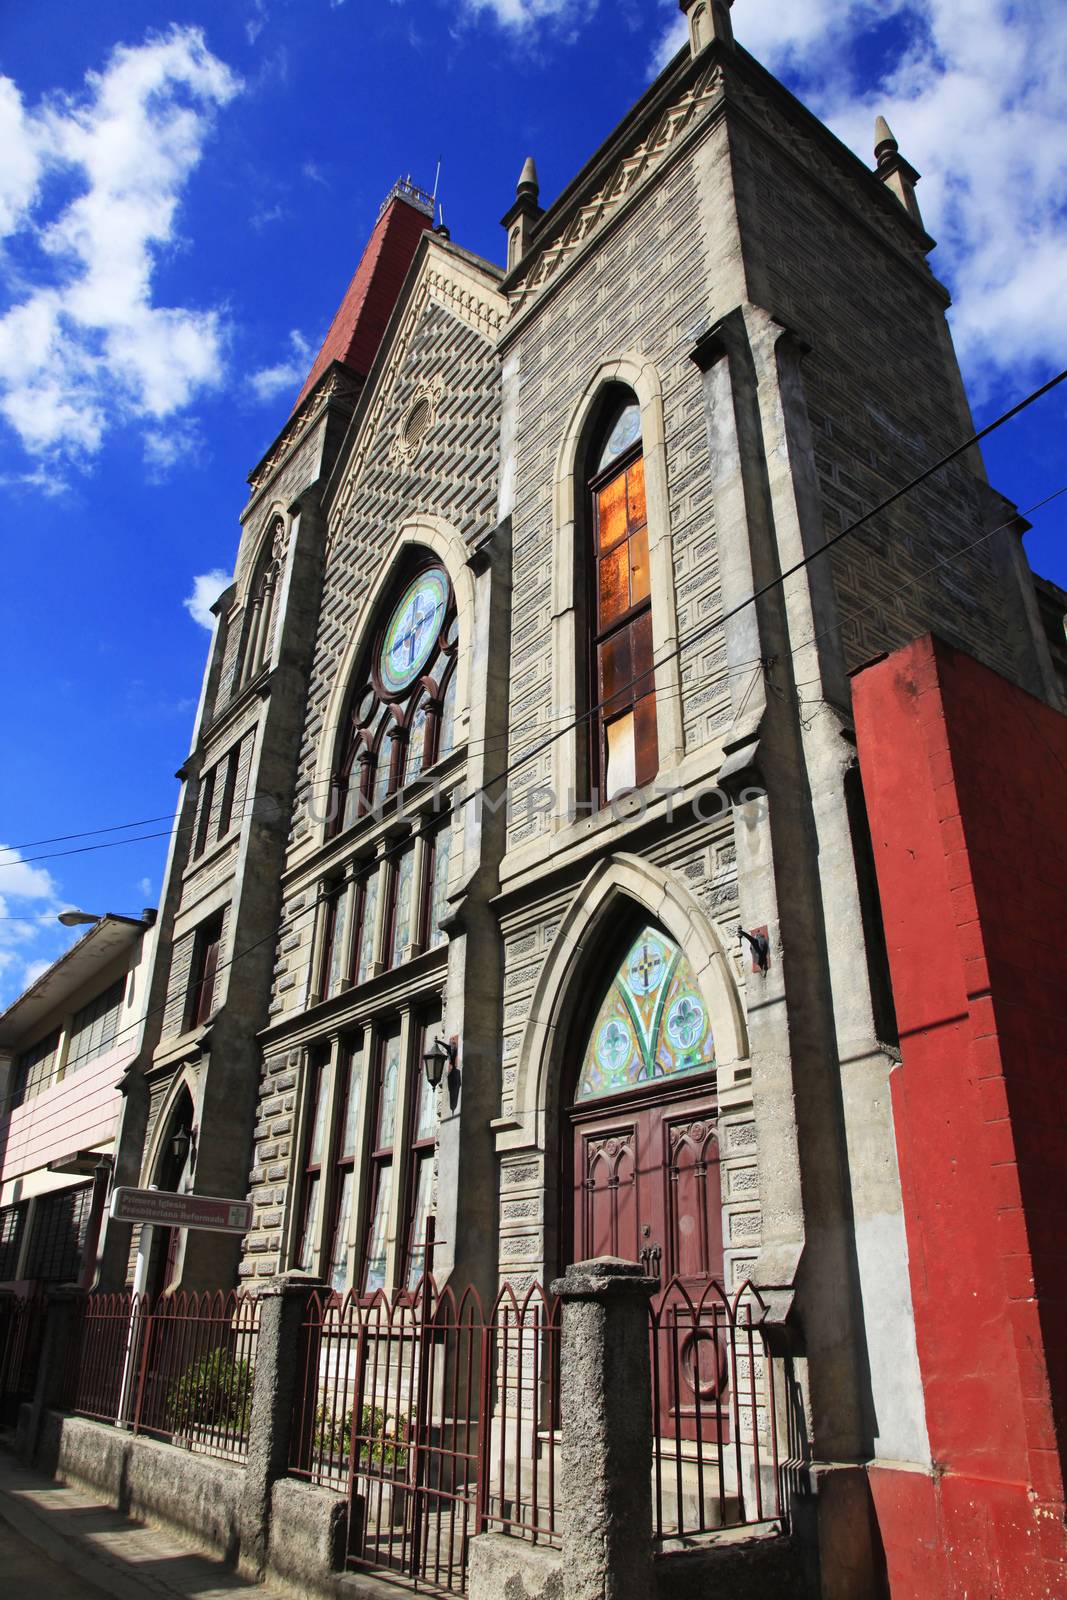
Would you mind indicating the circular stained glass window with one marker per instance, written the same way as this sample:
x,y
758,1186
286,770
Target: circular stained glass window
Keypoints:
x,y
413,630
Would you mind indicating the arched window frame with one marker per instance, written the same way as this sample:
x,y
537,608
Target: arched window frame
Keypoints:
x,y
374,738
261,603
569,755
619,645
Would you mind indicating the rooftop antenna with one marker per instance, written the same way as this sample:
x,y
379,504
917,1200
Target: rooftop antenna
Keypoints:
x,y
437,180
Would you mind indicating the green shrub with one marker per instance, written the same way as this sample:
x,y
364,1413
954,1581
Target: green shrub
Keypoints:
x,y
383,1439
214,1392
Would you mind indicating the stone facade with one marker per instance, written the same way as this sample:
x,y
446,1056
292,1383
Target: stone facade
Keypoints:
x,y
759,304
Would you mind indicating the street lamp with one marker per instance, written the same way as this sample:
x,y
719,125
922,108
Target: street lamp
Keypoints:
x,y
441,1054
77,919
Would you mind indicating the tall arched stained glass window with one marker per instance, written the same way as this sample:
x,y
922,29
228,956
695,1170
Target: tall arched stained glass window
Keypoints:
x,y
625,752
652,1024
396,725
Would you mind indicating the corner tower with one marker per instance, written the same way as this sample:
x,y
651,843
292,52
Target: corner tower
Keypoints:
x,y
211,986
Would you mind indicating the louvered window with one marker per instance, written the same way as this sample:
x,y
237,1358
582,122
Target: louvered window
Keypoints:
x,y
95,1026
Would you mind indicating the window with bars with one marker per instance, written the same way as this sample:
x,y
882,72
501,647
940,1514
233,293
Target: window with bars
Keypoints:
x,y
95,1026
57,1238
37,1068
625,751
12,1228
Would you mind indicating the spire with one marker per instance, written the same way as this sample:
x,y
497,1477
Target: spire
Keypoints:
x,y
523,217
360,321
896,173
708,20
528,184
885,145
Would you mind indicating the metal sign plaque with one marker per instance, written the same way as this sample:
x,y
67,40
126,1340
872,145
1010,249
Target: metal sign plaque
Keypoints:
x,y
181,1210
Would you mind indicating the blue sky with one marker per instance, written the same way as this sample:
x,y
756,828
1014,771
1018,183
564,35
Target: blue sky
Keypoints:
x,y
186,189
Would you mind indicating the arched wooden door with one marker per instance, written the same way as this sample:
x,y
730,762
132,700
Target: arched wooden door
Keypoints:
x,y
645,1157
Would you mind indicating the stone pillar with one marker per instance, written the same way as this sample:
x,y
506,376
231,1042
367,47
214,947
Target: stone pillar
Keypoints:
x,y
62,1331
606,1416
279,1370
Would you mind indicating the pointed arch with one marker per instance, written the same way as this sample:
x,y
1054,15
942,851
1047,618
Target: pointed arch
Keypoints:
x,y
617,886
438,538
185,1087
635,372
259,594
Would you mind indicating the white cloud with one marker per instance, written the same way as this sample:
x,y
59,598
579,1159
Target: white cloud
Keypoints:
x,y
256,21
521,14
86,348
144,887
21,881
269,382
206,590
973,90
176,444
29,902
21,167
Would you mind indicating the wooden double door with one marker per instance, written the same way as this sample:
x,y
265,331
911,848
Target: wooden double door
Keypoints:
x,y
646,1188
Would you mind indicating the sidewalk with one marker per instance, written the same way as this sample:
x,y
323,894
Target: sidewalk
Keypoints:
x,y
44,1526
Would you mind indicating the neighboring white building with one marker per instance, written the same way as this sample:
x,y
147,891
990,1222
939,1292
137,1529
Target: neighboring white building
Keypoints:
x,y
65,1045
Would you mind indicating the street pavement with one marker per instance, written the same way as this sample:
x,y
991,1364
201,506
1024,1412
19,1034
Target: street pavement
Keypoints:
x,y
27,1571
62,1543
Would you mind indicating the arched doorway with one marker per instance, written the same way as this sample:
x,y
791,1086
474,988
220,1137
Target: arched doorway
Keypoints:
x,y
172,1172
641,1158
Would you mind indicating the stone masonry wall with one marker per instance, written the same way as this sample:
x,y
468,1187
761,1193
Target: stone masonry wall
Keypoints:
x,y
645,290
884,394
452,474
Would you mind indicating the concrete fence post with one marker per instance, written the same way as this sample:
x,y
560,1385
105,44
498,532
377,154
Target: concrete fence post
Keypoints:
x,y
62,1330
283,1311
606,1418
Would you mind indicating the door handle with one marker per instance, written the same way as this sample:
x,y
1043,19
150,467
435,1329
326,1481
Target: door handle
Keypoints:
x,y
651,1256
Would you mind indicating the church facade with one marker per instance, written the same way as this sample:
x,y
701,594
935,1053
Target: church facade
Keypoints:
x,y
526,743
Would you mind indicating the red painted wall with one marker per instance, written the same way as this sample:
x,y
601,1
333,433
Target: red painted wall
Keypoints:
x,y
965,778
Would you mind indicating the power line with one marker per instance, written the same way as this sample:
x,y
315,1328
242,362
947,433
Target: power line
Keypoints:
x,y
707,628
437,822
86,833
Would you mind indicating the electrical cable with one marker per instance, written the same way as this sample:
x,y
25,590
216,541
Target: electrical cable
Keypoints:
x,y
464,799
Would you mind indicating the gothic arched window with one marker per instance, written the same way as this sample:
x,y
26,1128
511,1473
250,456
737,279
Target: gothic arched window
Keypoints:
x,y
400,716
625,751
652,1024
262,604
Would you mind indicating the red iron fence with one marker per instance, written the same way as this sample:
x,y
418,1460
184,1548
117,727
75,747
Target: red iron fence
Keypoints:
x,y
441,1421
715,1444
21,1333
438,1420
180,1369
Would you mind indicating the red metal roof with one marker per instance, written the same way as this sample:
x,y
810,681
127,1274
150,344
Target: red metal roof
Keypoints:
x,y
357,329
